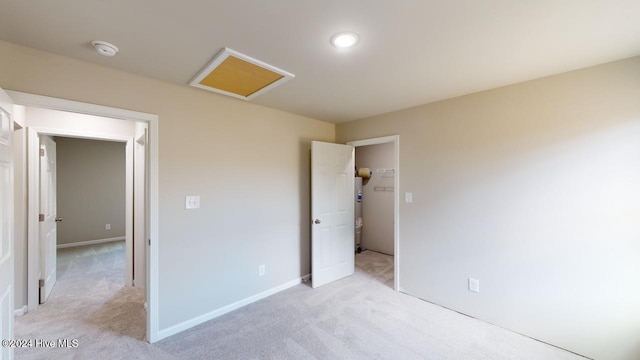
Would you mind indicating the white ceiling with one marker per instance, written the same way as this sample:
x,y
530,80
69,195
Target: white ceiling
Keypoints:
x,y
411,52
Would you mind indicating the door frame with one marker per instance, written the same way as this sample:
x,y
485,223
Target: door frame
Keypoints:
x,y
33,207
395,139
39,101
7,255
139,209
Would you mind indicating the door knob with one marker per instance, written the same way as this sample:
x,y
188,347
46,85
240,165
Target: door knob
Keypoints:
x,y
58,219
317,221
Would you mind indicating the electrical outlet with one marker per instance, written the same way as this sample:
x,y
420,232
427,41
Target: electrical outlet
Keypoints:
x,y
408,197
261,270
192,202
107,227
474,285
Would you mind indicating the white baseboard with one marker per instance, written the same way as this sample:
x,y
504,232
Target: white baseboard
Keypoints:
x,y
90,242
227,309
21,311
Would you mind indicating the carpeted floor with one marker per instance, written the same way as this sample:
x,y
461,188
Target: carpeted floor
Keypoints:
x,y
359,317
89,303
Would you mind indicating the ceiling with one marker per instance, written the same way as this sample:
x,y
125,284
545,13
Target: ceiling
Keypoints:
x,y
411,52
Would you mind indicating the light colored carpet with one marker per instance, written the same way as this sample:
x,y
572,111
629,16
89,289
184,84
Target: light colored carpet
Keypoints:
x,y
359,317
377,265
89,303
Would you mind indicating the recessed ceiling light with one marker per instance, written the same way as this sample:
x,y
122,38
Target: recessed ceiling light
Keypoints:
x,y
104,48
345,39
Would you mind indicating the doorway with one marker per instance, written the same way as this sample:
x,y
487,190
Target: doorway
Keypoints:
x,y
90,191
377,225
91,130
42,124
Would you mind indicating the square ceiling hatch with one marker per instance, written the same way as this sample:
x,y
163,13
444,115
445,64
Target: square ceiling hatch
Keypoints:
x,y
238,75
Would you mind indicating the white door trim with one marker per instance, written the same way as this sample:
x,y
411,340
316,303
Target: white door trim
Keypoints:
x,y
7,253
51,103
395,139
33,231
152,121
140,210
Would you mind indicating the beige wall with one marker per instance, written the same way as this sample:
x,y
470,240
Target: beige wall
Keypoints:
x,y
377,205
531,188
248,163
91,189
72,123
534,189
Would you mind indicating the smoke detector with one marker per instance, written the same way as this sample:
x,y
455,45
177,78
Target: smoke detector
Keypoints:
x,y
104,48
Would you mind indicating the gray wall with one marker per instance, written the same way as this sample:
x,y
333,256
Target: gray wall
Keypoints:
x,y
377,206
533,189
91,189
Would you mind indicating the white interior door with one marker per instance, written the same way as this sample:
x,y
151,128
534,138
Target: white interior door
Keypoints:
x,y
48,216
332,209
6,224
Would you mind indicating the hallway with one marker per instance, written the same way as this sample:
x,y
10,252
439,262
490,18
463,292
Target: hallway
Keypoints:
x,y
89,303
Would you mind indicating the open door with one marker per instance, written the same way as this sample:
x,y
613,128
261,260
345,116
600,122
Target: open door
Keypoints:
x,y
6,224
332,212
48,217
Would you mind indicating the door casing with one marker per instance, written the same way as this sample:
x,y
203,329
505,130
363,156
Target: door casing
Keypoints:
x,y
395,139
7,291
45,102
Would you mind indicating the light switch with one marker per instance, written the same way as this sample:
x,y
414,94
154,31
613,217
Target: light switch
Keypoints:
x,y
192,202
474,285
408,197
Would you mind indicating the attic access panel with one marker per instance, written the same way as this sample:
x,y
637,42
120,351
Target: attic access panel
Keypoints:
x,y
234,74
